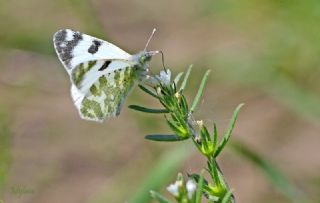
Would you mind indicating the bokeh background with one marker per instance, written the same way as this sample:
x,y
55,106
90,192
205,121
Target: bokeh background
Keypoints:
x,y
262,53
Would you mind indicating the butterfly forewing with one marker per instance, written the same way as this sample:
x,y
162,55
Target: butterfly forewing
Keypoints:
x,y
74,48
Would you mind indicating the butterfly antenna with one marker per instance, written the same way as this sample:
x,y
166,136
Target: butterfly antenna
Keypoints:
x,y
162,57
153,31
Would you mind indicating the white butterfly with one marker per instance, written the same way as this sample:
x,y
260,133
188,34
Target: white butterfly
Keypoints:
x,y
101,73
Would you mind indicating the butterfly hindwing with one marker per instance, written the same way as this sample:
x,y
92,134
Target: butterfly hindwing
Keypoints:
x,y
106,95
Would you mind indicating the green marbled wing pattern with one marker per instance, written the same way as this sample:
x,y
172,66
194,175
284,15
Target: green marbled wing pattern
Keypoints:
x,y
79,72
106,95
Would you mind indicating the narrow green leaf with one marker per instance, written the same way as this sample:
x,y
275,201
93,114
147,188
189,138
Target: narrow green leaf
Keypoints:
x,y
159,197
146,90
184,104
273,174
179,119
205,133
200,91
227,197
227,136
177,78
147,110
199,188
214,173
176,127
174,87
173,126
185,79
215,135
164,138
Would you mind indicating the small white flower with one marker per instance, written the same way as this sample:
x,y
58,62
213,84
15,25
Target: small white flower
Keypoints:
x,y
177,95
200,123
174,189
191,188
165,77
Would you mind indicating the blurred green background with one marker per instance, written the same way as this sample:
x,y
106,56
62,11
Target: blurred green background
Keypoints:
x,y
262,53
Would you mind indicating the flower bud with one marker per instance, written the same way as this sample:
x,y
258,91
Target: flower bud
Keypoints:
x,y
191,188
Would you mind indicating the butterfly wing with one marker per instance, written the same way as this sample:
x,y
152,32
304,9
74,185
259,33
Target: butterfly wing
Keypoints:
x,y
101,74
106,95
74,48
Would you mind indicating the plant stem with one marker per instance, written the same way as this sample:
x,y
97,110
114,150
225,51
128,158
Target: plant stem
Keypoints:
x,y
191,125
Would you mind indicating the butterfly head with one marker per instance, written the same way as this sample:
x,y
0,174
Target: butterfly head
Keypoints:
x,y
145,56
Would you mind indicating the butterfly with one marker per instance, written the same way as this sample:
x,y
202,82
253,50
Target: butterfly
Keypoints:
x,y
102,75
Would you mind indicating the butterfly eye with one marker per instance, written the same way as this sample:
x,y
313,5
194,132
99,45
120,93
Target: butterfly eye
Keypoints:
x,y
145,58
142,59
